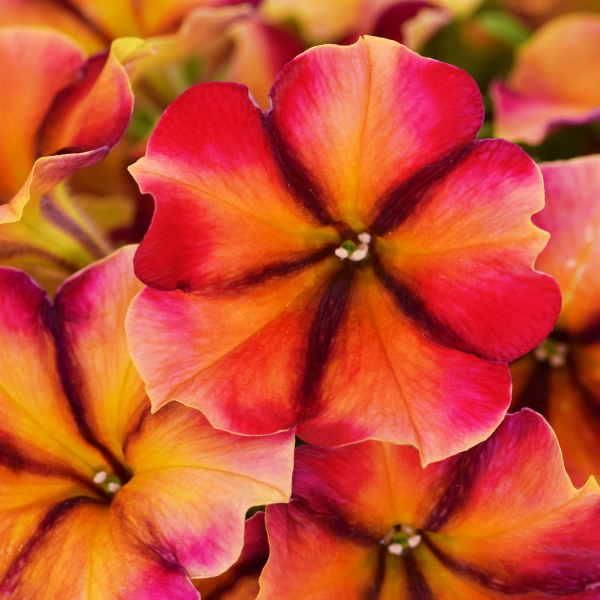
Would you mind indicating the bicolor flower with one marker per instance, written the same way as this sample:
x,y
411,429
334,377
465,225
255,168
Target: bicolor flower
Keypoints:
x,y
99,498
499,521
561,377
59,111
240,582
351,261
554,82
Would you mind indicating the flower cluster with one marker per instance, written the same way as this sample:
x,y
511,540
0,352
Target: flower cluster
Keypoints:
x,y
285,312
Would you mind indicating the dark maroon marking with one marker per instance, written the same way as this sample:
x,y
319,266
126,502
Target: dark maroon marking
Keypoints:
x,y
466,467
415,309
553,582
398,204
55,216
15,460
418,588
53,519
72,384
330,516
373,591
303,187
536,393
590,400
591,335
322,338
391,20
281,269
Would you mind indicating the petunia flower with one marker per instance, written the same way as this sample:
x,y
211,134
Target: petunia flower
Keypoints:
x,y
59,112
99,498
561,377
351,261
555,81
240,582
499,521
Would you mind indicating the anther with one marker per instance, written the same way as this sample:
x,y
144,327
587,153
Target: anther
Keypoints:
x,y
341,253
100,477
395,549
113,488
365,238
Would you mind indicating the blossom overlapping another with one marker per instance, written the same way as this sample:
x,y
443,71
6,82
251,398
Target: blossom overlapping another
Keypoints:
x,y
340,258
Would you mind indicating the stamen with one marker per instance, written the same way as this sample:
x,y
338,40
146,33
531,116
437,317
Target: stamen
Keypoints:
x,y
414,541
100,477
395,549
357,255
113,488
554,352
349,250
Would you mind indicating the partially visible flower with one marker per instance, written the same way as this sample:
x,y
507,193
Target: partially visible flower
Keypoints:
x,y
555,81
59,112
561,377
499,521
351,261
240,582
537,12
343,21
100,498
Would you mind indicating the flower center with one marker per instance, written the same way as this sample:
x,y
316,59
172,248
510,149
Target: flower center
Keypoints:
x,y
401,539
350,251
111,485
552,351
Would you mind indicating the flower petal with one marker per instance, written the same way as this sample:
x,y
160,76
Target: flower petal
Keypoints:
x,y
79,549
39,435
240,582
463,258
83,123
555,81
572,217
104,385
36,66
410,111
245,224
211,353
193,484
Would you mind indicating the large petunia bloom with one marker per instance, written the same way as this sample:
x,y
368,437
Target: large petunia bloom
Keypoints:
x,y
499,521
351,261
555,81
99,498
59,112
561,377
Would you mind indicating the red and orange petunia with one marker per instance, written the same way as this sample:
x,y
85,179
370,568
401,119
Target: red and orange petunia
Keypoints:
x,y
59,112
555,81
499,521
100,498
351,261
561,377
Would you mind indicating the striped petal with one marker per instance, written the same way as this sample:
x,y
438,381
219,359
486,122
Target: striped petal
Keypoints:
x,y
242,224
501,519
401,102
554,82
463,252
